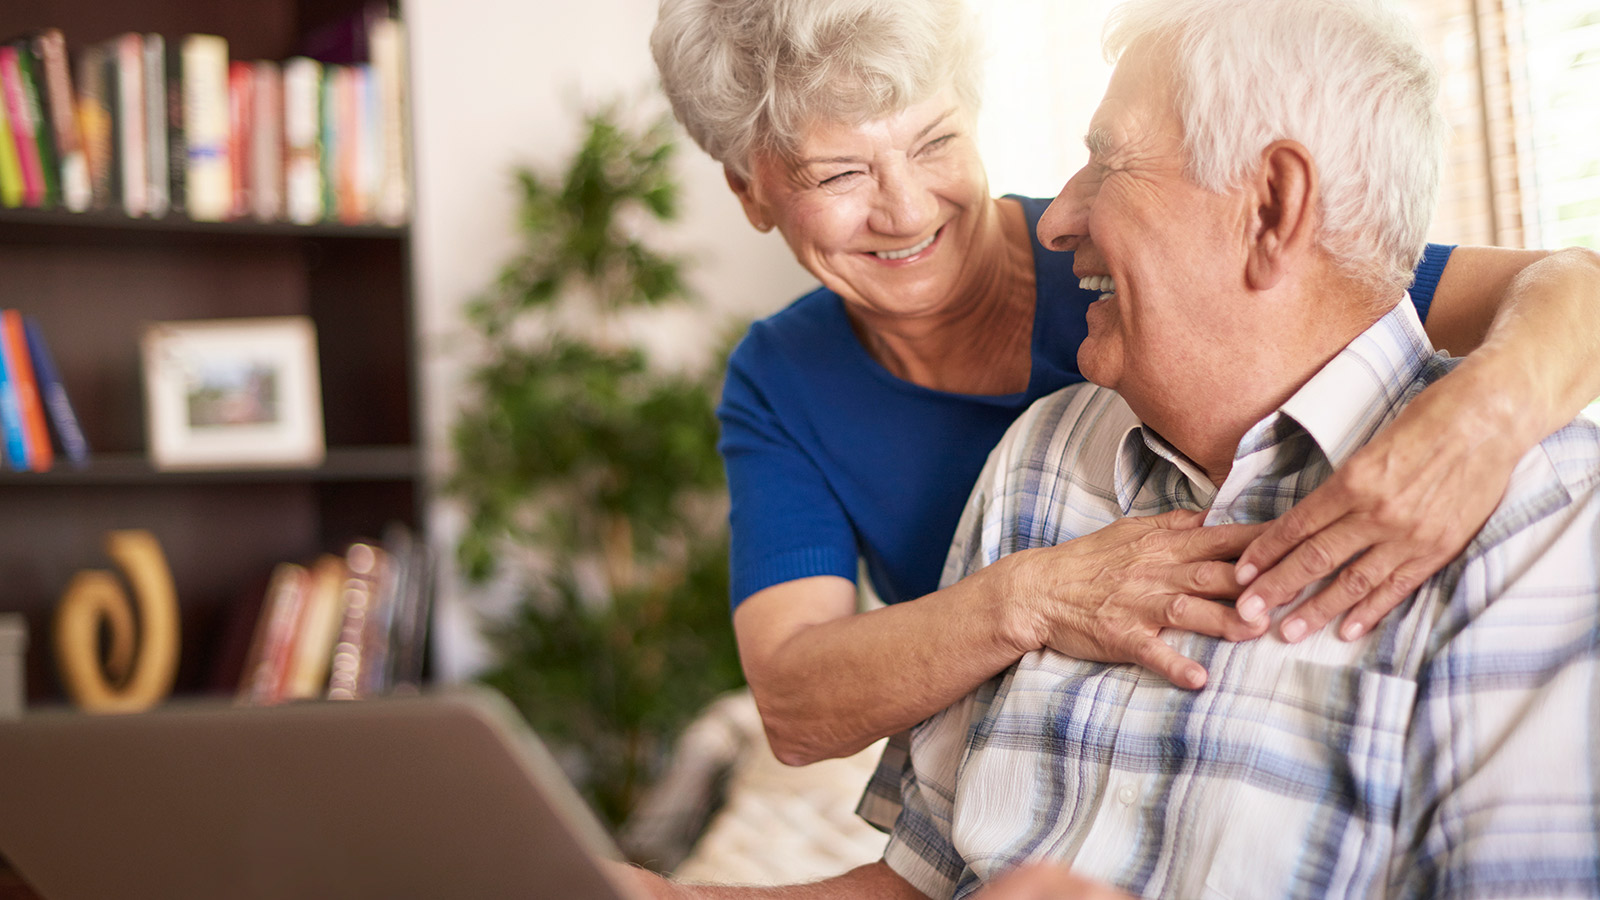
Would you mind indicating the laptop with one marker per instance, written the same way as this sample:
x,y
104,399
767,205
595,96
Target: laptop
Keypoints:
x,y
440,795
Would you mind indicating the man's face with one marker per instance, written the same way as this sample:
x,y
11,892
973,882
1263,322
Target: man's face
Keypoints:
x,y
1167,245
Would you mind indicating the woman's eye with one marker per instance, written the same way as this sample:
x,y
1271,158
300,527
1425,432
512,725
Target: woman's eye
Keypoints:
x,y
937,143
839,180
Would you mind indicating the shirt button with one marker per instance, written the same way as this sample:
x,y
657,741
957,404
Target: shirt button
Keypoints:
x,y
1126,795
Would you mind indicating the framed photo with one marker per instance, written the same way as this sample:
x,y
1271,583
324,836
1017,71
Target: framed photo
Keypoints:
x,y
231,393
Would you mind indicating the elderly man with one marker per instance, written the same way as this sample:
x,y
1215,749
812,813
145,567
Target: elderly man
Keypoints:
x,y
1261,175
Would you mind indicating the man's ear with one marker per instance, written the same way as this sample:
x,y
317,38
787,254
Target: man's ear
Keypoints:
x,y
742,189
1285,198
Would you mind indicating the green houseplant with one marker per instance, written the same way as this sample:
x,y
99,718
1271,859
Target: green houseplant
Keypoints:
x,y
596,474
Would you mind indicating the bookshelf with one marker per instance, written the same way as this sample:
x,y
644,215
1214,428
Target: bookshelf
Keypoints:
x,y
93,279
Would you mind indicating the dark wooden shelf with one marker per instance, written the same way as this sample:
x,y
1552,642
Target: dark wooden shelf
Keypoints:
x,y
56,224
343,464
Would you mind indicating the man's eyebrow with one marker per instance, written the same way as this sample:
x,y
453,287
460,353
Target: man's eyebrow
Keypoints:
x,y
1098,140
814,160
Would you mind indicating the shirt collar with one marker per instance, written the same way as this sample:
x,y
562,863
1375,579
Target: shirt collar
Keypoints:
x,y
1341,406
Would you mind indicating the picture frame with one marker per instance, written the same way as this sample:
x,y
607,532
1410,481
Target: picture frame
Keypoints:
x,y
233,393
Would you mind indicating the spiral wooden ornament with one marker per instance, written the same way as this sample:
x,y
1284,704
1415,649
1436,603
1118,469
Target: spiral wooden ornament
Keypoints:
x,y
140,663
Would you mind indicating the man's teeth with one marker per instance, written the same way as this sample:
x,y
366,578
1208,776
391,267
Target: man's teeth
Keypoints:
x,y
1102,284
909,251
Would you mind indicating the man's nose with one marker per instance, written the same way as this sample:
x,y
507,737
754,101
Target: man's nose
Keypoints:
x,y
1066,222
905,206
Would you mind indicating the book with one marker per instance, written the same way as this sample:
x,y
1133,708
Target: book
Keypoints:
x,y
328,105
31,70
10,165
267,661
241,116
386,40
94,122
20,116
35,433
54,395
154,77
367,565
50,48
302,134
209,172
12,437
266,143
410,628
177,150
129,118
318,630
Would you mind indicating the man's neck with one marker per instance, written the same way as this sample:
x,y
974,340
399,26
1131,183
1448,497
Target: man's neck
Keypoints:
x,y
1277,355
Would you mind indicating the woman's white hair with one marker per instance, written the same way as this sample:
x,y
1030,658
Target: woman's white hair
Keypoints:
x,y
747,76
1346,78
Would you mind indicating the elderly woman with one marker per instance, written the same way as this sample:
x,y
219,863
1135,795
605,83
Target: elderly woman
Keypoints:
x,y
856,420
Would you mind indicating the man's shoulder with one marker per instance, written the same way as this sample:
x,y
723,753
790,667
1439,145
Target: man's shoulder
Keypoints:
x,y
1074,418
1562,472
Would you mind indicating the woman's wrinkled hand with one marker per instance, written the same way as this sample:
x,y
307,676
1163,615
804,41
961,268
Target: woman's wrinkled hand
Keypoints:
x,y
1106,596
1402,506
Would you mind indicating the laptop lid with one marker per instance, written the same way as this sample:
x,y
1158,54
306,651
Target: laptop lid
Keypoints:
x,y
442,795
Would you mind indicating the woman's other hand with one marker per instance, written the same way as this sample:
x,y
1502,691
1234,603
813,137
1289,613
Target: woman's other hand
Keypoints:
x,y
1106,596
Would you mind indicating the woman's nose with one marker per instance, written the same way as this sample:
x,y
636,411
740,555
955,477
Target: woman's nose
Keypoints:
x,y
905,205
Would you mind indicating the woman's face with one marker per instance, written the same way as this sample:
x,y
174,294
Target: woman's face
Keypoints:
x,y
886,212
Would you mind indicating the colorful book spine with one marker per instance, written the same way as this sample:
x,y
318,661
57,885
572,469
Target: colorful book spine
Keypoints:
x,y
130,119
33,94
331,149
177,152
10,165
36,434
209,174
274,636
22,128
241,106
94,121
266,143
157,198
54,395
12,436
302,131
50,47
386,39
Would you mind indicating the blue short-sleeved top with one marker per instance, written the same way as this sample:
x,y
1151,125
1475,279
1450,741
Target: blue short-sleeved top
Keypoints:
x,y
830,457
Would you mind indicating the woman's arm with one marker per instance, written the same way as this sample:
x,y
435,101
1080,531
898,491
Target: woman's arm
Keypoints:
x,y
829,682
1411,499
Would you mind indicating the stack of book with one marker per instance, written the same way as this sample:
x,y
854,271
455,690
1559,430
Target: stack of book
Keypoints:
x,y
151,126
345,627
33,403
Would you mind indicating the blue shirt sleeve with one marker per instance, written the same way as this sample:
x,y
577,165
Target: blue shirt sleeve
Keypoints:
x,y
784,519
1426,280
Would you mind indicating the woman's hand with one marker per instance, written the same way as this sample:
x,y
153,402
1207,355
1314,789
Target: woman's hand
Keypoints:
x,y
1408,502
1106,596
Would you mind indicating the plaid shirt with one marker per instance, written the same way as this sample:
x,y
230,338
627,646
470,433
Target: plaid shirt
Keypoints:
x,y
1453,750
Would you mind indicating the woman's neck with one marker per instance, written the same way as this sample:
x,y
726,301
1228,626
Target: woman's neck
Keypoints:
x,y
981,345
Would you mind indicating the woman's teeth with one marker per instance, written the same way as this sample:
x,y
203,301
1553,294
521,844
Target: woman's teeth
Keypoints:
x,y
1104,285
909,251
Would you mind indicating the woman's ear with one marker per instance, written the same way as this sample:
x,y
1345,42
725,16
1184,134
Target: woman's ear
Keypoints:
x,y
753,209
1284,222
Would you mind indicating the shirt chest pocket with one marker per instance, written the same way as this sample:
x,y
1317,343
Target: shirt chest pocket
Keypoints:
x,y
1308,807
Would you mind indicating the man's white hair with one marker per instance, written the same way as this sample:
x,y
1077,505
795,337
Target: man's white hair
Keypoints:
x,y
747,76
1346,78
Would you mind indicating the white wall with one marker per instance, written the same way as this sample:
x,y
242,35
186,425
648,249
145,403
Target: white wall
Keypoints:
x,y
501,82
